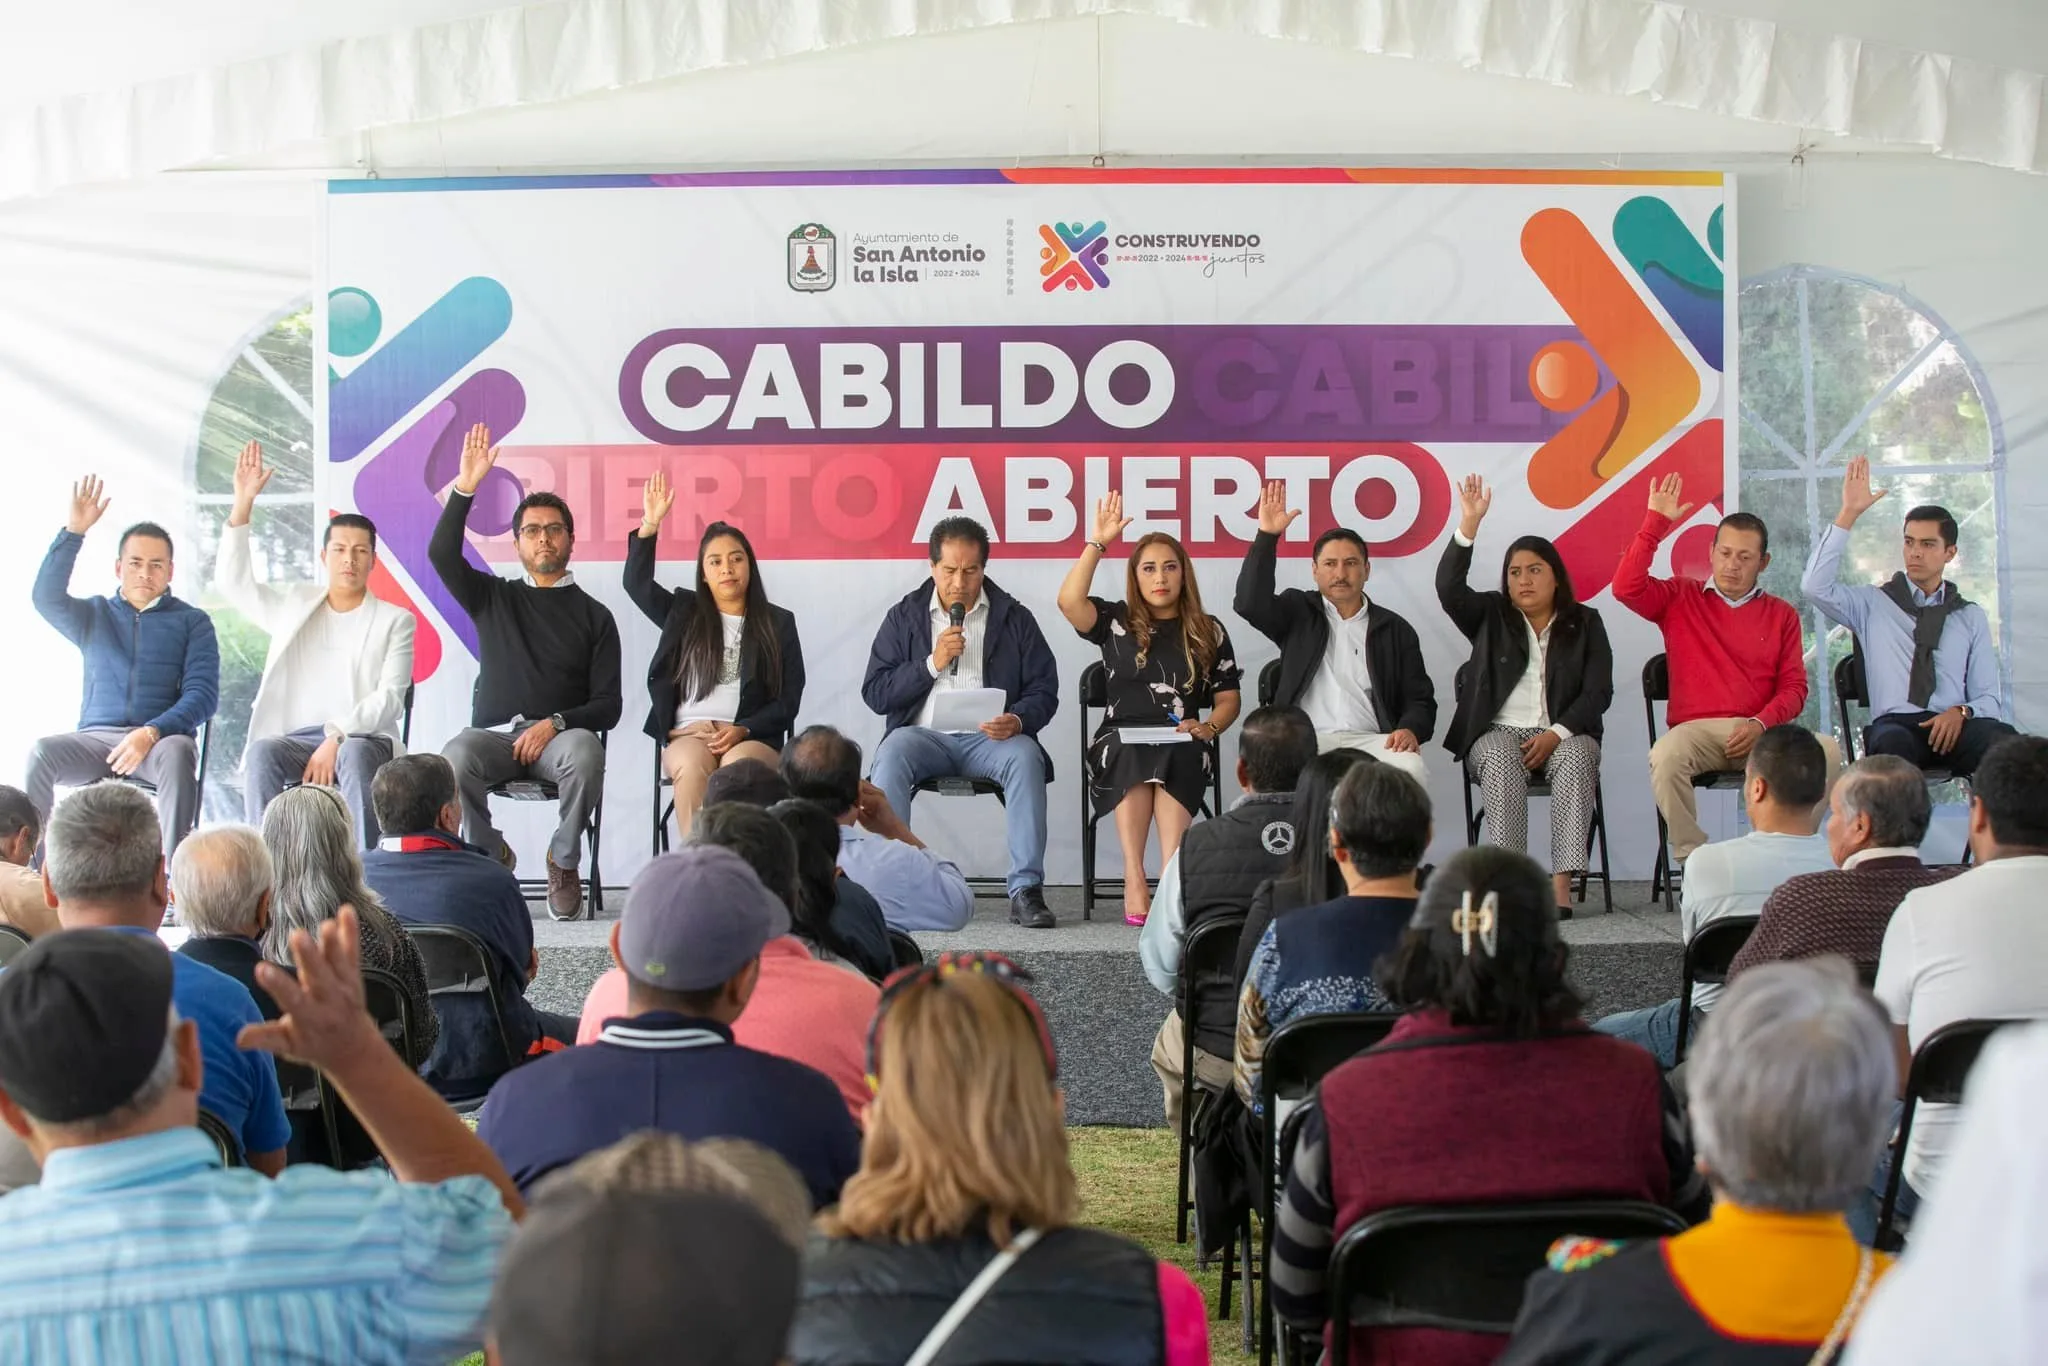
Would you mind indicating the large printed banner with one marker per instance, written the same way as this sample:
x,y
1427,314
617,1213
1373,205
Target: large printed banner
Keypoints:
x,y
834,361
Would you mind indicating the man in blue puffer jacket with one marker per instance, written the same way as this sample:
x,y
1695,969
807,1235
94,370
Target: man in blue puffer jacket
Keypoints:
x,y
152,672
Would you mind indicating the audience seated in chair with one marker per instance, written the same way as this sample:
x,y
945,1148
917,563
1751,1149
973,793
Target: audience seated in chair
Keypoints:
x,y
426,874
1784,784
834,916
688,1254
696,927
1323,960
1972,948
104,868
1490,1089
803,1009
100,1072
318,870
917,889
966,1156
23,903
1791,1095
1878,814
1220,864
1312,876
1964,1290
221,880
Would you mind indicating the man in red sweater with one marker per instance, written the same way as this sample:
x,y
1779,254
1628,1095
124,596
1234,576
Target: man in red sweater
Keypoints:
x,y
1734,653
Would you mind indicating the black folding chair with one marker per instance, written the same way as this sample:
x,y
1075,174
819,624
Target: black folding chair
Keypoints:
x,y
662,813
330,1133
310,1105
458,966
12,942
1941,1066
385,998
1475,817
1095,697
534,790
1463,1268
1708,955
1298,1056
905,950
954,785
1211,947
1269,682
224,1138
205,737
1664,877
405,718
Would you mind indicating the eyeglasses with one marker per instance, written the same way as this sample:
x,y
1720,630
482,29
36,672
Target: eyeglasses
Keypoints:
x,y
535,531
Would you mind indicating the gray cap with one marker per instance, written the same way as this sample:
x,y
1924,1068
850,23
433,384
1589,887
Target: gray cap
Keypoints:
x,y
694,918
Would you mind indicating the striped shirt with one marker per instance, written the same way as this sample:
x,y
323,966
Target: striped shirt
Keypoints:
x,y
144,1252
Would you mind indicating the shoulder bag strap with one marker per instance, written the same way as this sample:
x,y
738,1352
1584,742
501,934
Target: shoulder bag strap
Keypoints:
x,y
977,1290
1866,1266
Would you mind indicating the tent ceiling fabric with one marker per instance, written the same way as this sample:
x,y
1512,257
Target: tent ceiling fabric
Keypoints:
x,y
251,81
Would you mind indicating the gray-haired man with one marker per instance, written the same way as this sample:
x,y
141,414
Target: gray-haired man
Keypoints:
x,y
221,877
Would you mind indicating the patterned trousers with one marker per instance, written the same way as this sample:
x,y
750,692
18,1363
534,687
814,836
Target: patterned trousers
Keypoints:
x,y
1573,772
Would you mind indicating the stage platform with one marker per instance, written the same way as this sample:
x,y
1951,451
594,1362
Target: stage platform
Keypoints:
x,y
1102,1011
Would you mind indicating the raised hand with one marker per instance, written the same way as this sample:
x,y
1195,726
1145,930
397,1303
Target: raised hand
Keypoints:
x,y
1664,495
1109,519
1274,514
478,456
657,496
1474,501
87,505
1857,495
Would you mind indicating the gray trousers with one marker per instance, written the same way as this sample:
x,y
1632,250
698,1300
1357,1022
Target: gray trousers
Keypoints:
x,y
276,762
573,762
74,760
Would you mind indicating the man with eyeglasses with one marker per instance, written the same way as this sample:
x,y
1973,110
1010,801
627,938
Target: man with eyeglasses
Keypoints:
x,y
547,672
152,672
332,699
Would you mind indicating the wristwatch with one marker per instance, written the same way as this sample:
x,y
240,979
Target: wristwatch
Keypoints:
x,y
1967,710
558,723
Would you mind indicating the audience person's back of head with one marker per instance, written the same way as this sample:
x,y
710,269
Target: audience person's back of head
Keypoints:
x,y
752,781
1274,745
410,792
1791,1087
823,766
220,877
657,1162
20,826
1793,766
104,849
1382,818
1484,947
316,863
814,836
1311,864
755,836
1892,793
2009,785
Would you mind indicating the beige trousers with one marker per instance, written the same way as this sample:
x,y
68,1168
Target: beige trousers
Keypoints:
x,y
1211,1072
1695,747
689,763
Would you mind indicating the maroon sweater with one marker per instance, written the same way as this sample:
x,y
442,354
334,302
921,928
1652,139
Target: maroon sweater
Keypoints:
x,y
1843,911
1475,1119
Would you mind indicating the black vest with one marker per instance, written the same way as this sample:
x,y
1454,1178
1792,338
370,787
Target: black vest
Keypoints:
x,y
1222,862
1080,1297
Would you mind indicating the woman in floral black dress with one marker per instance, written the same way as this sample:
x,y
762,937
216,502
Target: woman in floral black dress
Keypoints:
x,y
1166,660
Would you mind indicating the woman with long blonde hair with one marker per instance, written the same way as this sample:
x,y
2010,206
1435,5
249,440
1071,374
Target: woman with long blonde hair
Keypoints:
x,y
1166,659
964,1173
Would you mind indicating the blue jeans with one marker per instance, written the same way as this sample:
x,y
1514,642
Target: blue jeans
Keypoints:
x,y
1654,1028
1863,1214
910,754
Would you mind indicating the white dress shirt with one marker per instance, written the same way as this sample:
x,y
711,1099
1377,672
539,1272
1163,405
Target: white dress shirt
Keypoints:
x,y
1528,706
975,628
1339,692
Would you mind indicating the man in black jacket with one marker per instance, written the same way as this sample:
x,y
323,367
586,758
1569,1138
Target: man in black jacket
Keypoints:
x,y
1353,666
547,673
1219,865
919,655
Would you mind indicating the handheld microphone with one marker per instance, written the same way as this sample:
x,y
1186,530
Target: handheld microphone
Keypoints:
x,y
959,615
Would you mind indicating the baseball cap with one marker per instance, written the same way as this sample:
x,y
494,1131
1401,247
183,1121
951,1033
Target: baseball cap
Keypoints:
x,y
83,1017
623,1277
694,918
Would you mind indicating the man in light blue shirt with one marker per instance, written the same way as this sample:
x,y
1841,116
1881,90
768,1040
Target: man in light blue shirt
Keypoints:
x,y
138,1248
916,888
1784,786
1928,662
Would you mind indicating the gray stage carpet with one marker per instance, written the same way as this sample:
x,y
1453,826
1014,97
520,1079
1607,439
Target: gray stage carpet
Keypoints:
x,y
1102,1011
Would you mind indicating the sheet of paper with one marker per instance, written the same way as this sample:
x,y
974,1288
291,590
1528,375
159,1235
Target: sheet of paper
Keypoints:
x,y
964,709
1152,735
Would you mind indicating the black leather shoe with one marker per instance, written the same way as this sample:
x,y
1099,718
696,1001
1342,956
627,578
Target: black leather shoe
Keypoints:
x,y
1028,908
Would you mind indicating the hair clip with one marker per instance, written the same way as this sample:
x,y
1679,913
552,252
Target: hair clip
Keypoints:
x,y
944,968
1465,922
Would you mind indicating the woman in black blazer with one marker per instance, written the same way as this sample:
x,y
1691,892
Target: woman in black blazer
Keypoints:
x,y
1540,678
728,674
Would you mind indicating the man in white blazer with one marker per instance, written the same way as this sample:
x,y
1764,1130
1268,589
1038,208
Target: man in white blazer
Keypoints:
x,y
333,692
